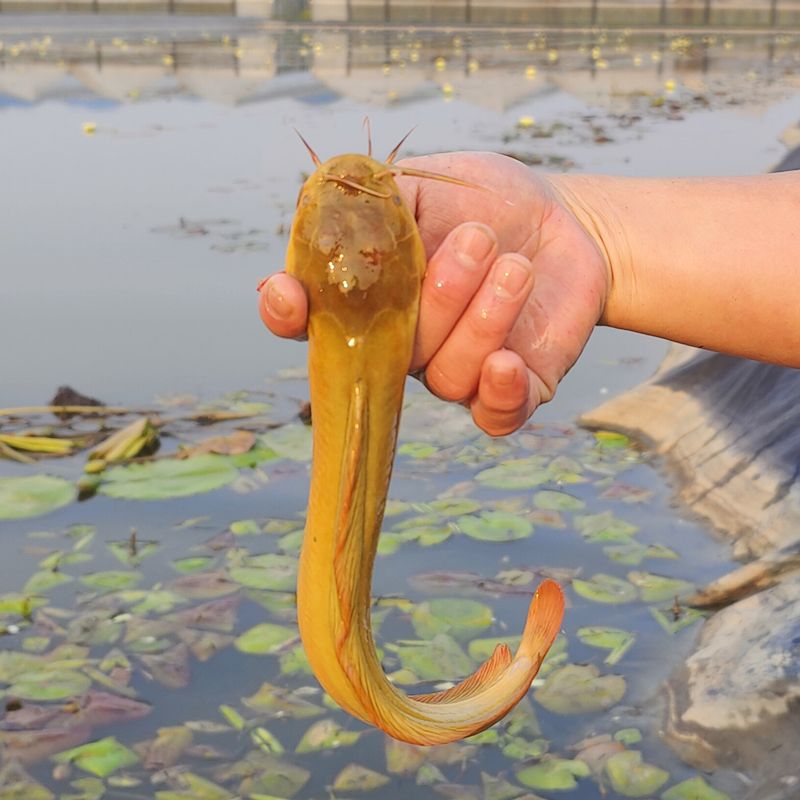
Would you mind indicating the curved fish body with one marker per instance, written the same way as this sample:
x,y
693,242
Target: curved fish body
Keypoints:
x,y
356,249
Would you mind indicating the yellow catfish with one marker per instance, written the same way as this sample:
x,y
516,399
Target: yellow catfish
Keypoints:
x,y
356,249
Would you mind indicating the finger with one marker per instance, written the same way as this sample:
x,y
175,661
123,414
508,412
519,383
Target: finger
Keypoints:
x,y
506,394
455,272
455,369
283,305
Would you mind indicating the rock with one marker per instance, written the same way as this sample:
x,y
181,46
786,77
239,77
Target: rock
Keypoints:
x,y
734,702
730,429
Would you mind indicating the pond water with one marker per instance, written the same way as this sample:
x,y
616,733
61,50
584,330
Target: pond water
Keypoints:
x,y
150,173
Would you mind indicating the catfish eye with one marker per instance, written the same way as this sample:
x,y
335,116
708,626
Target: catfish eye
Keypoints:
x,y
301,198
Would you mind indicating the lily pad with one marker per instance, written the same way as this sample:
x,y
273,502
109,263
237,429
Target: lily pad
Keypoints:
x,y
632,777
657,588
516,473
611,439
326,735
633,552
264,638
460,618
482,649
613,639
194,787
289,441
101,758
33,495
554,773
45,580
454,506
495,526
673,622
50,684
693,789
604,527
557,501
441,658
355,778
16,784
602,588
110,580
268,571
159,480
580,689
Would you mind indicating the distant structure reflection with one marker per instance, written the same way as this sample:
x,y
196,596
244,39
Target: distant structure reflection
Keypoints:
x,y
493,68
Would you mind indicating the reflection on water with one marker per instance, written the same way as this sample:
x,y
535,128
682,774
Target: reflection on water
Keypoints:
x,y
389,66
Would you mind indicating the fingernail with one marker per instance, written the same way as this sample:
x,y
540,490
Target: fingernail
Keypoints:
x,y
472,244
511,279
276,303
503,376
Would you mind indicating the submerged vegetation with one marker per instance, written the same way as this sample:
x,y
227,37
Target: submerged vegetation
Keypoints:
x,y
167,664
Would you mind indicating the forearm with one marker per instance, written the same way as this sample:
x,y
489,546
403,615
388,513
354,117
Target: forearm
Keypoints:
x,y
711,262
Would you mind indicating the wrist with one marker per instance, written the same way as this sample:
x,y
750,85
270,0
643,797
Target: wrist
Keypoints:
x,y
587,199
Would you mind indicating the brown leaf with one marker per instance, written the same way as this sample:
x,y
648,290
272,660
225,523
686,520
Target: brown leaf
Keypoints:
x,y
231,444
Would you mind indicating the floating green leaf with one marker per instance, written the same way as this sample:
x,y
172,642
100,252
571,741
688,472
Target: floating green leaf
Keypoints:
x,y
193,787
159,480
633,553
50,684
553,773
693,789
265,638
417,450
497,788
245,527
16,784
674,620
613,639
268,571
496,526
325,735
579,689
355,778
516,473
133,551
460,618
437,659
33,495
518,748
281,702
45,580
611,439
604,527
656,588
628,736
632,777
454,506
557,501
192,564
266,741
101,757
482,649
602,588
294,661
111,580
290,441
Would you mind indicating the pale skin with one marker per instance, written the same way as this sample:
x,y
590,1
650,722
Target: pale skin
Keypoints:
x,y
520,272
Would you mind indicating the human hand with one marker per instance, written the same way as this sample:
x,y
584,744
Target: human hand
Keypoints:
x,y
513,289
